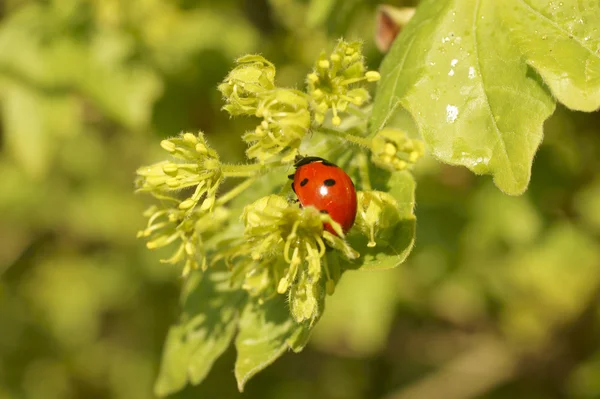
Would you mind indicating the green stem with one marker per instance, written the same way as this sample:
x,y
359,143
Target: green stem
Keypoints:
x,y
247,170
363,170
358,112
361,141
353,80
234,192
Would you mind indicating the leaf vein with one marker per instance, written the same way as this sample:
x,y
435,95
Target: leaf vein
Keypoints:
x,y
500,140
558,27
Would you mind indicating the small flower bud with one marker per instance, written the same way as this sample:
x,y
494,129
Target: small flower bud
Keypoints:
x,y
324,64
187,204
389,149
201,169
242,88
190,138
393,150
170,169
283,286
173,183
201,149
207,204
372,76
376,211
336,81
167,145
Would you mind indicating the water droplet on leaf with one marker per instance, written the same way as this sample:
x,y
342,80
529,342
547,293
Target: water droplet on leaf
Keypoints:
x,y
471,72
451,113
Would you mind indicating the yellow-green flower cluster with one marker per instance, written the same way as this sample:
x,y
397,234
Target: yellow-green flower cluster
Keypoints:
x,y
195,166
286,120
338,80
170,225
286,245
376,211
244,85
250,90
393,150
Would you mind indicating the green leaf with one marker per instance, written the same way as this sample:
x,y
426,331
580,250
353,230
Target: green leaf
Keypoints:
x,y
497,218
368,297
547,286
473,97
583,381
33,122
208,322
266,332
266,184
125,91
587,203
100,65
395,244
561,40
188,33
318,11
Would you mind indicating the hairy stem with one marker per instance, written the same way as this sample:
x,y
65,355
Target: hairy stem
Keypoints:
x,y
248,170
361,141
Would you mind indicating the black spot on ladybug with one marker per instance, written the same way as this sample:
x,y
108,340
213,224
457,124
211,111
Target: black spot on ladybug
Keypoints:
x,y
329,182
303,182
324,211
293,189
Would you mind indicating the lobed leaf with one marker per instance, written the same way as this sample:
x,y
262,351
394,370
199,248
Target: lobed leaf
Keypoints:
x,y
209,320
561,41
396,243
467,72
265,332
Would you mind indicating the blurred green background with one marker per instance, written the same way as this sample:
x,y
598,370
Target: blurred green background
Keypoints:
x,y
500,298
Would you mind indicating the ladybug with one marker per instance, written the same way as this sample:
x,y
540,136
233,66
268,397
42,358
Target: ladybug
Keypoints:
x,y
328,188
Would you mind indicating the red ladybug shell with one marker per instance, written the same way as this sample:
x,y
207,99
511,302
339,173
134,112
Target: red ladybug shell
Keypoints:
x,y
328,188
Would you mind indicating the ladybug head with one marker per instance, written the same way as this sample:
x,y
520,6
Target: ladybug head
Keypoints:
x,y
301,161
